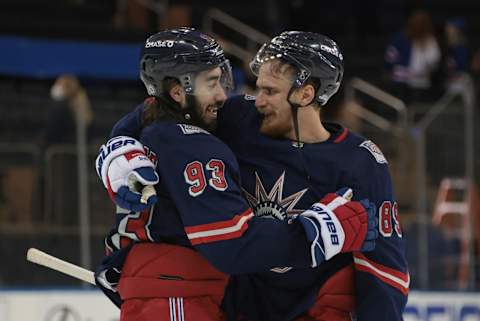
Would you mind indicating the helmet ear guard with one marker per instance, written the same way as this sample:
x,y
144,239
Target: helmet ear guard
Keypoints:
x,y
187,82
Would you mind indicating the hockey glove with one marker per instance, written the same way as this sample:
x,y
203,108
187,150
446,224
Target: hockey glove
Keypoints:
x,y
337,225
126,172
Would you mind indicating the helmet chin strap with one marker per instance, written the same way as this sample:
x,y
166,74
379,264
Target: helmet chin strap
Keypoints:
x,y
295,107
171,110
191,114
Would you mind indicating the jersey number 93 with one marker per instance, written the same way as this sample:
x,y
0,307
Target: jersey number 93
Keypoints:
x,y
195,174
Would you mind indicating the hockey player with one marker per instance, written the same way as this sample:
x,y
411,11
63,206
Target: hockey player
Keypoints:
x,y
281,175
173,256
279,138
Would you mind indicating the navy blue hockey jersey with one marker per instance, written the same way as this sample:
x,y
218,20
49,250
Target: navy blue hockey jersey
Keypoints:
x,y
200,203
280,179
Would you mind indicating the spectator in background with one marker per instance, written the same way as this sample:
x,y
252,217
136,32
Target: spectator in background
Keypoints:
x,y
411,59
73,104
456,53
70,117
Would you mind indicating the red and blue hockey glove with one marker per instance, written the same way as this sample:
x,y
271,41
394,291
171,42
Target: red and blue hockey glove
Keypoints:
x,y
336,225
126,171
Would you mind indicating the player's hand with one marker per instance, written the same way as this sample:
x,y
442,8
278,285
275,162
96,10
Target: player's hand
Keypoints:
x,y
336,225
127,173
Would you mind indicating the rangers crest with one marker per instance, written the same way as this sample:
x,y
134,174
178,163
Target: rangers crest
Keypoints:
x,y
272,204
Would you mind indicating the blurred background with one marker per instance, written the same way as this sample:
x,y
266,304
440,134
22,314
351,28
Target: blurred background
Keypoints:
x,y
68,71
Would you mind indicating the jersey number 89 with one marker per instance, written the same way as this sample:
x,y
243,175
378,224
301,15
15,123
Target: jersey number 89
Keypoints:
x,y
388,219
194,174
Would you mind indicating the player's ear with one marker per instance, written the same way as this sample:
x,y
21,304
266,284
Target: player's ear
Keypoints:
x,y
178,94
304,95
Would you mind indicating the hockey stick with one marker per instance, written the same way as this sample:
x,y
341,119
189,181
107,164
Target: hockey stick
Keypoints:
x,y
135,186
49,261
147,191
41,258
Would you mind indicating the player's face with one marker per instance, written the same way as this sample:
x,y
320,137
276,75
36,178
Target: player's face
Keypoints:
x,y
273,86
209,96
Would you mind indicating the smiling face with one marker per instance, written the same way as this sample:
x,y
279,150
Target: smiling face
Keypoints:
x,y
209,96
274,82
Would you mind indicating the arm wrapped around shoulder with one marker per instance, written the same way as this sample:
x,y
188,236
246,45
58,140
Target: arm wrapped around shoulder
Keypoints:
x,y
125,170
336,225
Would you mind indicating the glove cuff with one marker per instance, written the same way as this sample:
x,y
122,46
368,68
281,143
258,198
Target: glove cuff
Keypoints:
x,y
112,149
334,200
331,229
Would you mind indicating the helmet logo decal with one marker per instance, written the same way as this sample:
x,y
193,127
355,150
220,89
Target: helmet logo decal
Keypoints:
x,y
159,44
217,51
334,51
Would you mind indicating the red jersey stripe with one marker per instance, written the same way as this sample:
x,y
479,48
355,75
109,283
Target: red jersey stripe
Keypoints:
x,y
342,136
392,277
218,231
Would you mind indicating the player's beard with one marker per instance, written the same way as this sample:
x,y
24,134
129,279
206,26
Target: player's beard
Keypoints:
x,y
199,115
276,126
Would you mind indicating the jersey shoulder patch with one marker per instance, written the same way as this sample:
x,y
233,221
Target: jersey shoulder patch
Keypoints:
x,y
191,129
375,151
249,97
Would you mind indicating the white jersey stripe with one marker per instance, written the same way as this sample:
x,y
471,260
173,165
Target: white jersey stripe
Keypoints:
x,y
173,317
221,231
391,277
181,315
